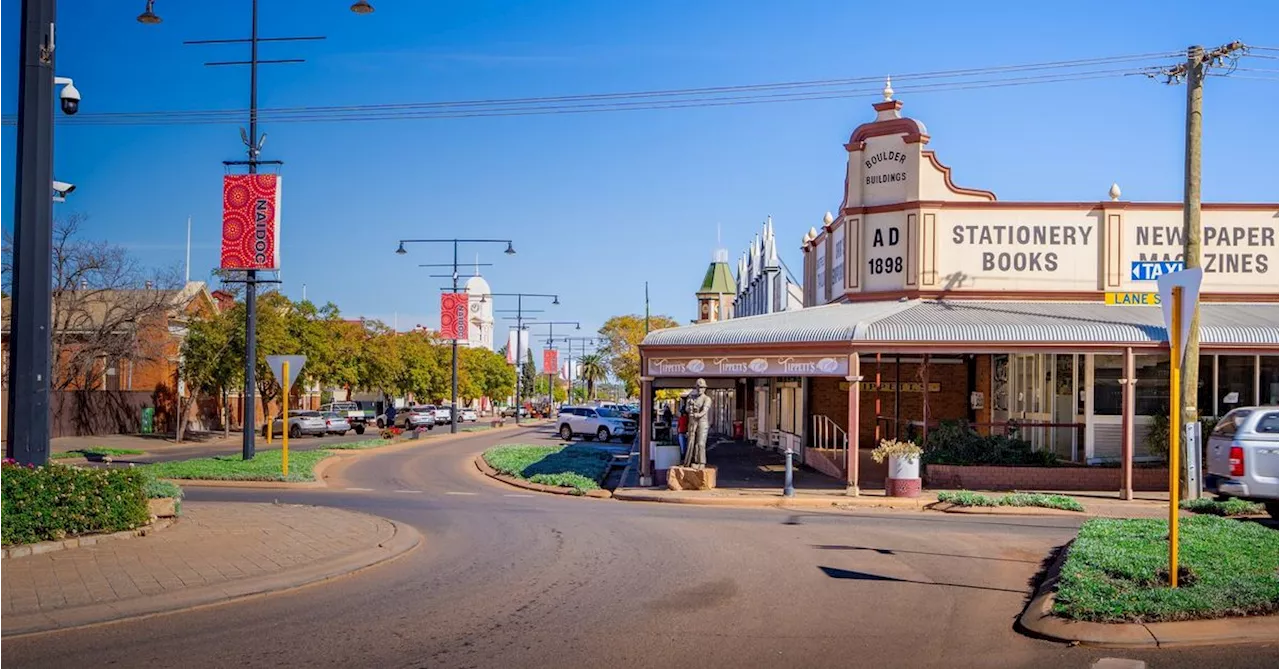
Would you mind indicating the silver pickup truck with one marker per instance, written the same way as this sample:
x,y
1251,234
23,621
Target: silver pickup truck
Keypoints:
x,y
1244,456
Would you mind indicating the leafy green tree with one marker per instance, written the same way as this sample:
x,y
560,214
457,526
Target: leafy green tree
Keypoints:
x,y
207,364
378,360
623,335
528,377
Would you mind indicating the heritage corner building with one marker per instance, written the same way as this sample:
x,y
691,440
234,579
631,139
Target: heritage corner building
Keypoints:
x,y
927,302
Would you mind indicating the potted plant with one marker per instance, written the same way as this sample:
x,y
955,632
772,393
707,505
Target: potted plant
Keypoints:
x,y
904,467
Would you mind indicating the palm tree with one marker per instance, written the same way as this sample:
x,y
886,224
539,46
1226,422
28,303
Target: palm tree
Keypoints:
x,y
593,368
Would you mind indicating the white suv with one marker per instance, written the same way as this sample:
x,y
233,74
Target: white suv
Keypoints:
x,y
1244,456
595,423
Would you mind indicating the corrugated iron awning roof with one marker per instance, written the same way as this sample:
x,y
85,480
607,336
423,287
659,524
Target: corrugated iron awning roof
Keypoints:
x,y
979,321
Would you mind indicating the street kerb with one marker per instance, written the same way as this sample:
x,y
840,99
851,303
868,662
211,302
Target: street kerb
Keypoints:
x,y
536,487
396,540
1037,620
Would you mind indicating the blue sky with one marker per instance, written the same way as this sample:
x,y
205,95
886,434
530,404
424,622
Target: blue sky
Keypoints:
x,y
599,203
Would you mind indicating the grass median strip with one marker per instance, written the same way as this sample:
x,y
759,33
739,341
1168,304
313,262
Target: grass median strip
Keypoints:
x,y
967,498
362,445
1117,571
1231,507
94,450
265,466
578,467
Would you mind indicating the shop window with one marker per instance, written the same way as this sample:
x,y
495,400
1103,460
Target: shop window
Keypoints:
x,y
1269,380
1151,394
1204,398
1235,382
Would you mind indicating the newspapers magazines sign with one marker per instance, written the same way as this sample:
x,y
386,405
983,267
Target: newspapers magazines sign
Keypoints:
x,y
251,221
453,316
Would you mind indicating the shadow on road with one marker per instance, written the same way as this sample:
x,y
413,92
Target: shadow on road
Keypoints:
x,y
896,551
849,574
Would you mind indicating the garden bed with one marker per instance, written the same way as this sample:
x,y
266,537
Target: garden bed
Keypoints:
x,y
1056,477
965,498
1231,508
581,468
265,466
94,452
1117,571
57,502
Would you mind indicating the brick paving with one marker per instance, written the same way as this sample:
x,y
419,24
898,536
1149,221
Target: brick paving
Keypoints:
x,y
213,544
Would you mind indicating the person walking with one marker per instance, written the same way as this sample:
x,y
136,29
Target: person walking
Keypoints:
x,y
682,424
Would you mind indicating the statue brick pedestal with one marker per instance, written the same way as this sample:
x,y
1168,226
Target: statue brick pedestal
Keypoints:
x,y
688,478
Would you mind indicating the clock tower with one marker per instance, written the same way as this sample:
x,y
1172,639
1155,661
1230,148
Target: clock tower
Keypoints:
x,y
479,313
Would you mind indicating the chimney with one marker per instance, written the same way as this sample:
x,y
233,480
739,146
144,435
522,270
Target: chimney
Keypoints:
x,y
147,285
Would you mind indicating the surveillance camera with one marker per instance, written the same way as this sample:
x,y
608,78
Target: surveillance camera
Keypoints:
x,y
61,190
70,96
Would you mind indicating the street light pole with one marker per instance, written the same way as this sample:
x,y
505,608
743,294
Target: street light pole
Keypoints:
x,y
453,394
551,338
31,346
555,299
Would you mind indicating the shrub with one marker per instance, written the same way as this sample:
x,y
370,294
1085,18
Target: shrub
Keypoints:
x,y
54,502
956,443
1229,508
967,498
157,488
578,467
892,448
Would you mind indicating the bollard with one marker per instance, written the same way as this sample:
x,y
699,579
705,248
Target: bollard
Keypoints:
x,y
788,490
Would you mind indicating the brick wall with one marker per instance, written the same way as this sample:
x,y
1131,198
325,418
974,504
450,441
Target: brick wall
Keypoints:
x,y
830,396
942,477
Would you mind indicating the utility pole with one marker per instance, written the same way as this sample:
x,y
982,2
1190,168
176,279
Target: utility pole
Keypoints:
x,y
646,307
1193,72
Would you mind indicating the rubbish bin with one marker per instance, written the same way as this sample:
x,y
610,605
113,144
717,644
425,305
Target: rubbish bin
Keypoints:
x,y
148,420
737,429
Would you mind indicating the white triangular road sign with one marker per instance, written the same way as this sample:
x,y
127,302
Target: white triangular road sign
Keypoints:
x,y
1189,280
295,365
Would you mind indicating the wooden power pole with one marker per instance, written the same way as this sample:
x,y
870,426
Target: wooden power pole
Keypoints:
x,y
1193,72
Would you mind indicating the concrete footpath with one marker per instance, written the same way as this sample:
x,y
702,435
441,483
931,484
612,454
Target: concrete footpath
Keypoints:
x,y
218,551
1099,504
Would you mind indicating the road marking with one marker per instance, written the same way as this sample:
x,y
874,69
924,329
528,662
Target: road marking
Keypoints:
x,y
460,493
409,492
360,489
1118,663
516,495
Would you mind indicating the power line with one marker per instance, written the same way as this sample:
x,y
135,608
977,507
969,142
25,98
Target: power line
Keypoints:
x,y
657,99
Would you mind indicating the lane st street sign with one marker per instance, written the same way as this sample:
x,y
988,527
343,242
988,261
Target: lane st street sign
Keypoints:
x,y
295,365
1133,299
1189,280
1150,270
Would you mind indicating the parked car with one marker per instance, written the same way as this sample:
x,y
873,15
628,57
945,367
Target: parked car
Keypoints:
x,y
510,412
594,423
335,423
351,411
468,416
300,423
444,415
1244,456
412,418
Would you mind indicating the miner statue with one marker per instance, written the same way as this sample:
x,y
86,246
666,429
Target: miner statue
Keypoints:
x,y
699,408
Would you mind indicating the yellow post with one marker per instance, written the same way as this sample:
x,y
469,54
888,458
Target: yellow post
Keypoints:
x,y
267,415
1175,429
284,429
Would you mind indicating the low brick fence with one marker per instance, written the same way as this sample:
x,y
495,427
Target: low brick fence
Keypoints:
x,y
983,477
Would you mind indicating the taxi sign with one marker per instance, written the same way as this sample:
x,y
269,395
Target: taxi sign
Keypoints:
x,y
1150,270
1134,299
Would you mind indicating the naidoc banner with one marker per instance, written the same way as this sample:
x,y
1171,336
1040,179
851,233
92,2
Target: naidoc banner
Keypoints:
x,y
453,315
251,221
550,361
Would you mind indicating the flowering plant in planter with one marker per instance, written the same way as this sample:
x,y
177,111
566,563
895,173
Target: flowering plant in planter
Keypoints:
x,y
892,448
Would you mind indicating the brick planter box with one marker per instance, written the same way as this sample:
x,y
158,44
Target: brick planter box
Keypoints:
x,y
984,477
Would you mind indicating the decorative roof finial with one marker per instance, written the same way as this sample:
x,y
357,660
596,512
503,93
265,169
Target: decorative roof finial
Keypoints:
x,y
888,90
1114,192
828,219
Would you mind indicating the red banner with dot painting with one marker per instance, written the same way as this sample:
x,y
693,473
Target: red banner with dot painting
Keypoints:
x,y
453,315
251,221
550,361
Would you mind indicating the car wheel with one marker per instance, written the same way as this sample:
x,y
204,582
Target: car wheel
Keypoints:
x,y
359,429
295,431
1272,509
322,435
603,434
264,431
566,433
381,423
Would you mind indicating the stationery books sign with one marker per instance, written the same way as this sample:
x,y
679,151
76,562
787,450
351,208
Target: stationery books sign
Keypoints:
x,y
251,221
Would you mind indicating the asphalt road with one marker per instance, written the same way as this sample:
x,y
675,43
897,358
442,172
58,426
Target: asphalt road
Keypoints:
x,y
515,579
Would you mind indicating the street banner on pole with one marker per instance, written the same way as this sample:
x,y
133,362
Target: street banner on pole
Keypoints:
x,y
550,361
517,346
251,221
276,362
453,316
